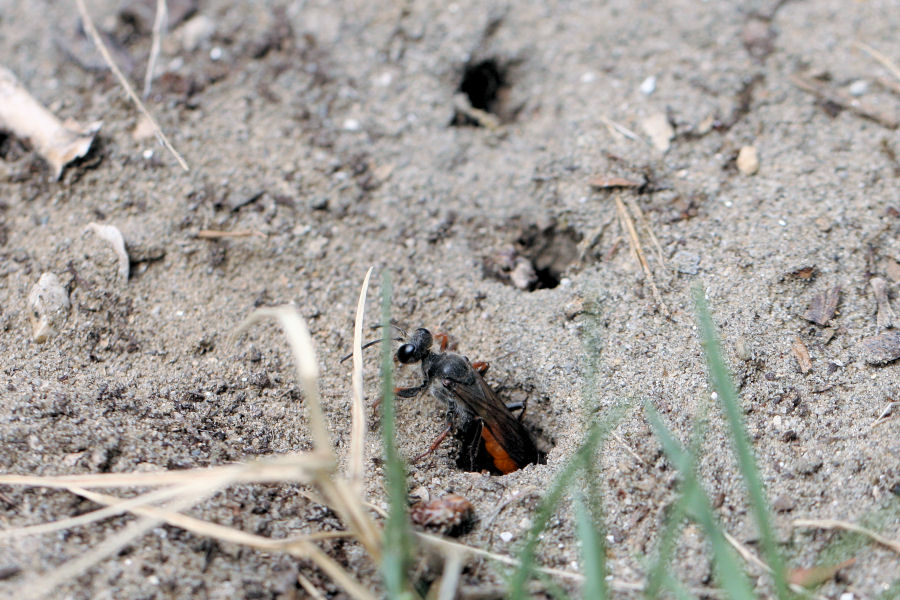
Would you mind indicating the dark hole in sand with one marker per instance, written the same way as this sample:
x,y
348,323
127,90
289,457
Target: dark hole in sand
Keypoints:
x,y
551,250
481,83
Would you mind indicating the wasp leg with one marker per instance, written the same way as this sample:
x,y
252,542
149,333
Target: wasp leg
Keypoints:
x,y
411,392
434,446
443,339
402,393
481,366
518,406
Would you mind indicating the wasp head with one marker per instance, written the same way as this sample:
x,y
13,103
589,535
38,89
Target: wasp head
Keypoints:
x,y
417,348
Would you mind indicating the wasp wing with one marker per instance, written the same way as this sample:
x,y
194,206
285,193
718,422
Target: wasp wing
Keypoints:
x,y
502,426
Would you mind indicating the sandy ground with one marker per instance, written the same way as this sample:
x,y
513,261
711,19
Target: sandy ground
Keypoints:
x,y
327,128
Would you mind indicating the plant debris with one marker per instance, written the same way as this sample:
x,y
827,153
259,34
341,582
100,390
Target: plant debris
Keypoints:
x,y
885,315
448,515
842,99
58,142
822,306
881,349
802,355
113,237
608,183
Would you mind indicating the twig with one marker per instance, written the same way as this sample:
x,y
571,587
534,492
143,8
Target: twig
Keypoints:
x,y
635,207
621,129
847,526
98,41
884,60
884,414
845,100
639,251
628,448
159,24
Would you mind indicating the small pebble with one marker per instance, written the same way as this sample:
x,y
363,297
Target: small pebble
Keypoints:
x,y
648,86
686,262
659,130
48,307
748,160
523,276
506,536
859,88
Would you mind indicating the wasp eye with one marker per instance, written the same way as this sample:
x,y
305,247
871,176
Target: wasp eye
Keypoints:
x,y
406,353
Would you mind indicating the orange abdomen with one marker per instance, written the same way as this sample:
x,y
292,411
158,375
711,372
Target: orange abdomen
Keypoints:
x,y
503,462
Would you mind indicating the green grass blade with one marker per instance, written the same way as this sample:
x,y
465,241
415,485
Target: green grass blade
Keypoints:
x,y
547,505
724,387
593,552
659,571
728,572
396,555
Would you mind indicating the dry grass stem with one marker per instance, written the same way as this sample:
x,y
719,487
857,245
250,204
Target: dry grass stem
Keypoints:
x,y
299,546
40,585
304,355
628,448
636,209
212,234
122,506
159,24
98,41
453,566
638,250
337,493
845,100
881,58
297,467
618,128
356,471
309,588
847,526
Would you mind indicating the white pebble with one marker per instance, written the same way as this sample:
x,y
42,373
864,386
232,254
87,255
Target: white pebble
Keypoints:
x,y
215,53
648,86
351,125
506,536
48,307
859,88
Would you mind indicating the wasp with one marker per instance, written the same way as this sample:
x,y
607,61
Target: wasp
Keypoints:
x,y
491,437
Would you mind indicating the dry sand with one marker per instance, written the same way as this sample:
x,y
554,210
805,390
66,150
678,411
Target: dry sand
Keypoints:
x,y
326,127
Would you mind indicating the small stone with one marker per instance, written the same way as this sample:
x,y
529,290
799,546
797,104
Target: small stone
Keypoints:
x,y
196,32
686,262
506,536
784,503
660,131
523,276
748,160
808,466
648,86
48,307
859,88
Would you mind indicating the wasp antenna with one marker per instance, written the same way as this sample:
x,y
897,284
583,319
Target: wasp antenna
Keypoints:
x,y
368,344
